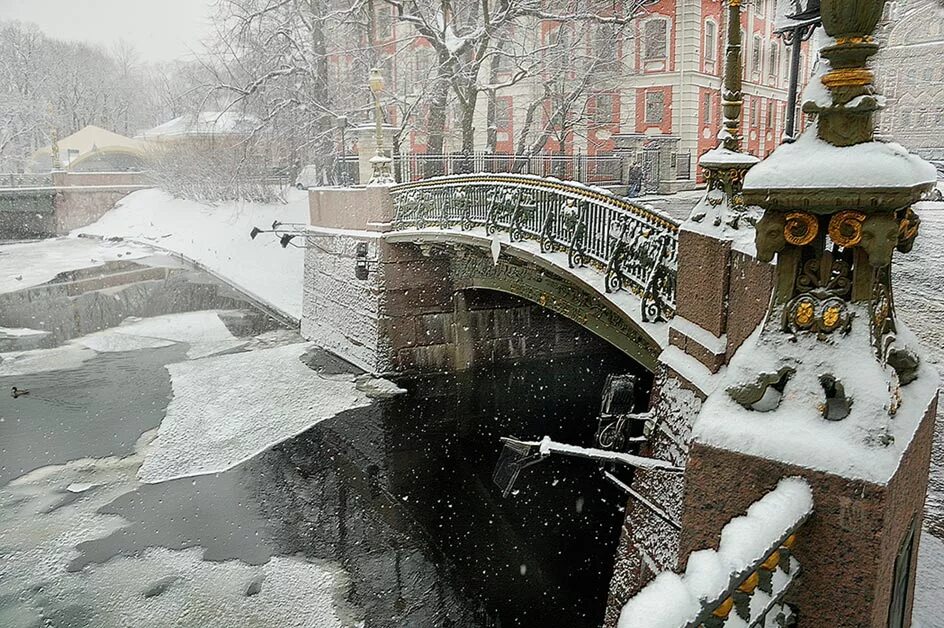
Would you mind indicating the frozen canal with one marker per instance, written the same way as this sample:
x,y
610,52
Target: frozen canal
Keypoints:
x,y
139,485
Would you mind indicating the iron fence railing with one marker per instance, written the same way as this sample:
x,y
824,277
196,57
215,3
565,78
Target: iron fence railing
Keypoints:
x,y
633,246
596,169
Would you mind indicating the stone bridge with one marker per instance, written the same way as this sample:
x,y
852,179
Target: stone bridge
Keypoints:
x,y
37,206
456,271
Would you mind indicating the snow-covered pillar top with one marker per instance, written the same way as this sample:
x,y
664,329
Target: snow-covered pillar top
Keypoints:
x,y
722,206
837,203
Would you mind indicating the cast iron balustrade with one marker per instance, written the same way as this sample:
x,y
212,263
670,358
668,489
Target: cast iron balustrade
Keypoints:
x,y
632,246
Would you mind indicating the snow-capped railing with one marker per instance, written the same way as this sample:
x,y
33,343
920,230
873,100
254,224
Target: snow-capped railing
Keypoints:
x,y
634,246
742,583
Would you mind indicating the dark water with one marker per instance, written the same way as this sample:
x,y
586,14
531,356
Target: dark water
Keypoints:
x,y
400,495
97,410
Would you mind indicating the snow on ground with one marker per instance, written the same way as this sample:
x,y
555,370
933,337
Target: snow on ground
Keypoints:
x,y
217,237
42,520
227,409
929,598
27,264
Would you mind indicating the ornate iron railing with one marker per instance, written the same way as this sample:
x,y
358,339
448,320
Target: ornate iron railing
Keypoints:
x,y
632,246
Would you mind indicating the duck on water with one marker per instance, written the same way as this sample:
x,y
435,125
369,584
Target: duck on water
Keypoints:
x,y
17,392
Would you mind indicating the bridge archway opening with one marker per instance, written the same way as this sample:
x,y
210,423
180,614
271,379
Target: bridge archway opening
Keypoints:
x,y
545,554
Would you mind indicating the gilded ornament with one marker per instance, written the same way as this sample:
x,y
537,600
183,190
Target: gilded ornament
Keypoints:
x,y
848,77
724,609
831,317
908,230
803,313
772,561
801,228
845,228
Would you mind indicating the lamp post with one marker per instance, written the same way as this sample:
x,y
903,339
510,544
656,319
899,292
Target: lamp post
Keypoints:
x,y
343,177
379,162
798,28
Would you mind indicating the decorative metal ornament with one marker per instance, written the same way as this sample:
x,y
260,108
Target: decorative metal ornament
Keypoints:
x,y
908,230
845,228
801,228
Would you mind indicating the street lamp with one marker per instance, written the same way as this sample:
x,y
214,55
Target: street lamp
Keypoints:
x,y
379,162
797,19
343,178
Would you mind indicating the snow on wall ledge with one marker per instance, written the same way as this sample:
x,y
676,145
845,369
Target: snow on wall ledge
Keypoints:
x,y
672,600
812,163
868,444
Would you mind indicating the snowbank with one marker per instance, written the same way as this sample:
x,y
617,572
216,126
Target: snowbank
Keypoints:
x,y
217,237
928,600
28,264
227,409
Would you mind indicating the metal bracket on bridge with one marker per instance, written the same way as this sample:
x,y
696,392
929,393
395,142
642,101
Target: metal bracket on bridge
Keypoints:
x,y
518,455
287,231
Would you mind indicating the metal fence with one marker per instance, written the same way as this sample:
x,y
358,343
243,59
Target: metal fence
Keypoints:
x,y
596,169
633,246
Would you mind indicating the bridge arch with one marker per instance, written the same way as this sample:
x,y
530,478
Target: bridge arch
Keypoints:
x,y
602,261
542,280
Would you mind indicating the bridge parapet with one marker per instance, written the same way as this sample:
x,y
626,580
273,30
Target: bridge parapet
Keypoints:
x,y
634,247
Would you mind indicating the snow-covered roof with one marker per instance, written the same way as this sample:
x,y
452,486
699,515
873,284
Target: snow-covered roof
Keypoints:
x,y
206,123
87,140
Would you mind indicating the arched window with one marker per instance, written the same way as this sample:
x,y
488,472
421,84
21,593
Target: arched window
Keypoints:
x,y
711,40
756,59
772,60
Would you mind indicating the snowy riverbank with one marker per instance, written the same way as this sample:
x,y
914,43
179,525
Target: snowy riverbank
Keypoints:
x,y
217,238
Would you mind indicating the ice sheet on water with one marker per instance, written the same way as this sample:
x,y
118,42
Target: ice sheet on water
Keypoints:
x,y
158,587
226,409
27,264
110,342
61,358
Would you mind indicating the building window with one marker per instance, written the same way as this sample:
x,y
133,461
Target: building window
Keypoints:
x,y
772,61
706,108
753,112
503,112
770,114
603,109
901,584
711,40
655,40
604,45
655,107
755,55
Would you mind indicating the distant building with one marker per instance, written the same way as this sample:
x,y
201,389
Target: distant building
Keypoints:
x,y
92,149
207,127
910,74
664,85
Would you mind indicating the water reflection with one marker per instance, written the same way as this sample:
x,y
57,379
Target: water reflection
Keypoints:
x,y
400,495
